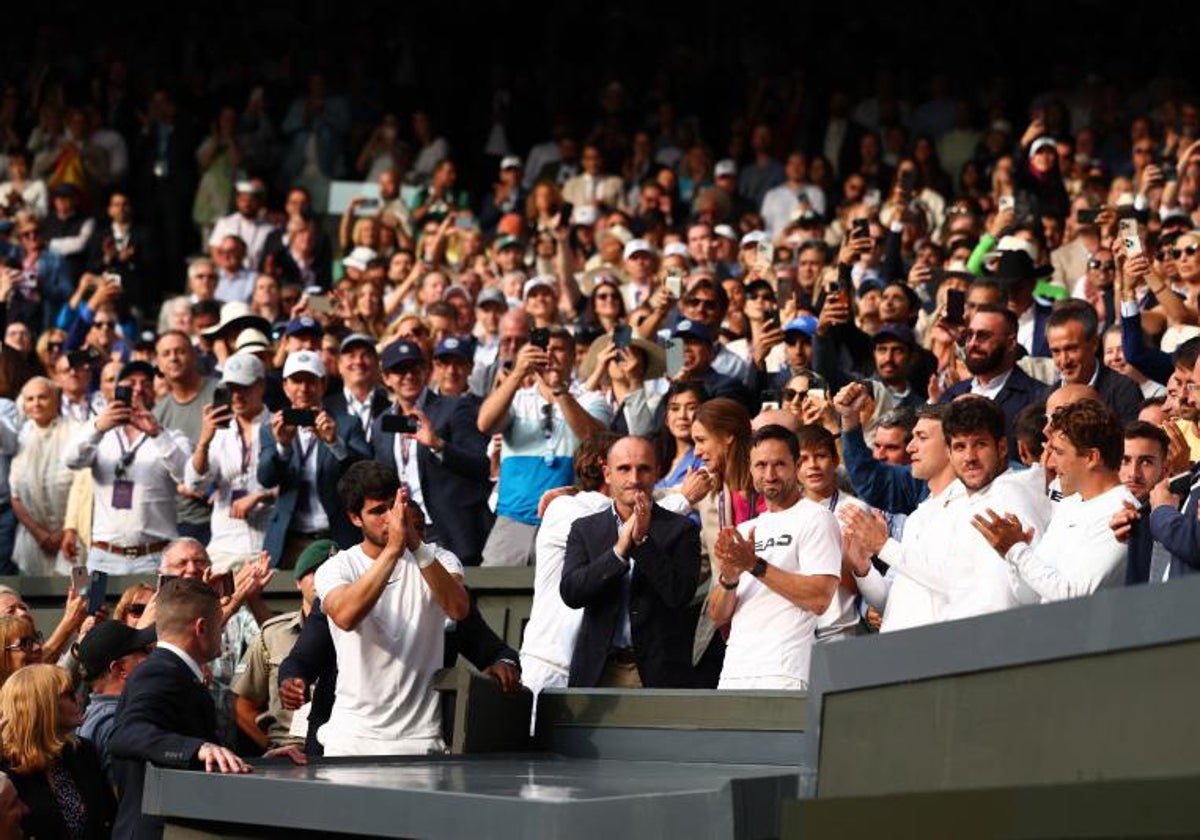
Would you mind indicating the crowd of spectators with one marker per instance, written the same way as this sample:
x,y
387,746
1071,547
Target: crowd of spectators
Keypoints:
x,y
905,357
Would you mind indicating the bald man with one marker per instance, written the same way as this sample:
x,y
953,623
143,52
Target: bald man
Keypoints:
x,y
776,417
632,568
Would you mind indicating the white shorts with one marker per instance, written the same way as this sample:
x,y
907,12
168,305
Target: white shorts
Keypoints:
x,y
339,744
761,684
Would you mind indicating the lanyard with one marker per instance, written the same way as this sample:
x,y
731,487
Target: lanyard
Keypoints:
x,y
127,455
245,447
304,453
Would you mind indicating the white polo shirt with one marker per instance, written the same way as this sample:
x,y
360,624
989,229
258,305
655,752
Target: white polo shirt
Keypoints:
x,y
386,664
770,638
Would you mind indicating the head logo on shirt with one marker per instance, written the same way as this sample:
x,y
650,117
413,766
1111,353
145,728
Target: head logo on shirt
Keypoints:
x,y
782,541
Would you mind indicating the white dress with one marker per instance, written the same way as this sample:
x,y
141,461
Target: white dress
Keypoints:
x,y
42,482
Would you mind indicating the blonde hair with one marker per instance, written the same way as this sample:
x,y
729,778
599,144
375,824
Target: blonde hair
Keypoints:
x,y
30,740
12,628
127,599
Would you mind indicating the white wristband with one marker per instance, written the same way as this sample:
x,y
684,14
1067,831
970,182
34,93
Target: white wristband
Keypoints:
x,y
424,556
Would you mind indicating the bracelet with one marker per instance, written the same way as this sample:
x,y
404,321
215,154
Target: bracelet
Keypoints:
x,y
424,556
726,585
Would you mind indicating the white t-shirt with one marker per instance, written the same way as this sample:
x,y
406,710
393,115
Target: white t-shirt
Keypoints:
x,y
840,619
1078,553
769,636
386,664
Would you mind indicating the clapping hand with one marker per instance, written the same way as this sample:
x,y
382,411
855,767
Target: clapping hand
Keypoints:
x,y
1001,532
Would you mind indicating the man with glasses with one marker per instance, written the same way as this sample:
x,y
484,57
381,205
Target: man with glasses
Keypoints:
x,y
543,414
990,350
441,462
136,466
41,278
513,335
706,303
73,374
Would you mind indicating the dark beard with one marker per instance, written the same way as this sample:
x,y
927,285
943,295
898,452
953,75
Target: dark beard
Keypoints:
x,y
988,364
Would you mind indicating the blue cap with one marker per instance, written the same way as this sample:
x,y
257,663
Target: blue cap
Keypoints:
x,y
401,352
303,324
692,329
869,284
895,332
451,345
806,324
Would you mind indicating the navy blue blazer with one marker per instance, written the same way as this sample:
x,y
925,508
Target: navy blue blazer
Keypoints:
x,y
1019,391
335,402
287,473
454,483
1179,533
164,716
666,569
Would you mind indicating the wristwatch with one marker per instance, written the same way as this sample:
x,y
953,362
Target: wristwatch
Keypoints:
x,y
760,567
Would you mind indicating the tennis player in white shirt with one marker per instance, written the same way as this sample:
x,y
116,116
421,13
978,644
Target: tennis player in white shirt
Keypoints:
x,y
911,593
977,581
776,573
1079,553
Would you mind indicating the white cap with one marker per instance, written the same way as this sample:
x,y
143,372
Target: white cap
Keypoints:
x,y
724,167
304,361
754,237
585,214
510,162
676,249
359,258
1016,243
1042,143
242,369
251,338
540,281
726,232
638,246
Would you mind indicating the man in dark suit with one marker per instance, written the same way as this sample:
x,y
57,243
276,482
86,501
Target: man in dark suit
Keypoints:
x,y
1074,344
120,247
360,394
166,716
633,570
991,356
444,463
305,463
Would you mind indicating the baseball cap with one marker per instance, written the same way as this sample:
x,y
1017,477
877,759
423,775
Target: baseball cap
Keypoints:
x,y
676,249
509,241
355,339
248,186
304,361
401,352
253,340
456,289
303,324
510,162
638,246
724,167
64,189
242,369
493,295
130,368
868,285
1042,143
692,329
754,237
619,232
312,557
896,332
452,345
359,257
540,281
107,642
726,232
806,324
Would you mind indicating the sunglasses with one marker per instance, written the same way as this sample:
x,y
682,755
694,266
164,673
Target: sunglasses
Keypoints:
x,y
606,297
55,346
791,394
1108,265
981,335
702,303
137,609
766,296
1189,250
105,325
27,644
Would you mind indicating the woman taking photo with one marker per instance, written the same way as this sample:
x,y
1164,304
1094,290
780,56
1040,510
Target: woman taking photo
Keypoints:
x,y
57,774
622,377
40,482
